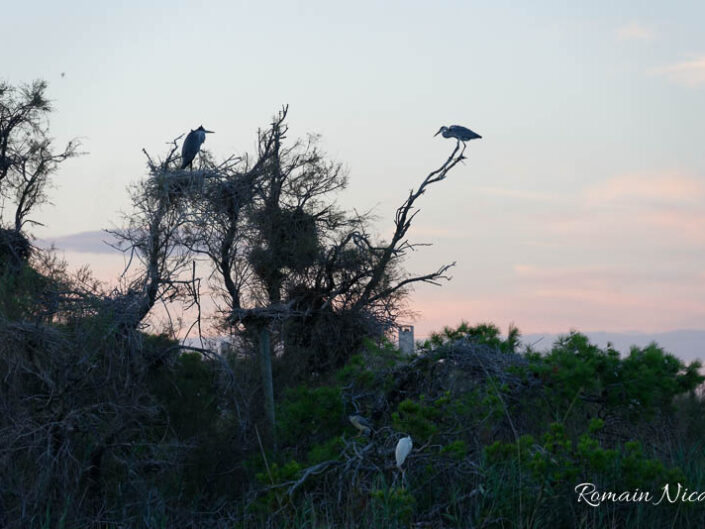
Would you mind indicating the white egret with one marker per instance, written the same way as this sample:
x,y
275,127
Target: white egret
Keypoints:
x,y
403,449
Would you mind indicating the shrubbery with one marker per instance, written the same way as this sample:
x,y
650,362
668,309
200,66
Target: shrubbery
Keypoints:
x,y
507,447
148,435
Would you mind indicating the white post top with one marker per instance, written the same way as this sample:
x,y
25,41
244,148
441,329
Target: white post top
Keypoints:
x,y
406,339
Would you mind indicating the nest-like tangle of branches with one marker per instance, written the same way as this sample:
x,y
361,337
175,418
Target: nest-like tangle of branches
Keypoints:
x,y
14,247
460,365
180,183
292,242
230,195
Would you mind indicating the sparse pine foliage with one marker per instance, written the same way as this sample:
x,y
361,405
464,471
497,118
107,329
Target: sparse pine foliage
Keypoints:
x,y
28,158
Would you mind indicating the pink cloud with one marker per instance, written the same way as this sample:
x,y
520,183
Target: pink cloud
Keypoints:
x,y
610,283
626,254
689,73
663,187
437,233
540,306
586,282
667,209
522,194
635,31
687,224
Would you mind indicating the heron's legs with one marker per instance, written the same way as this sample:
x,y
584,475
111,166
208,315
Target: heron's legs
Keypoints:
x,y
402,475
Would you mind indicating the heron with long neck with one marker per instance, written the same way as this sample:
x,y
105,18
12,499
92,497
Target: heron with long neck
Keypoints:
x,y
403,449
192,145
362,424
458,132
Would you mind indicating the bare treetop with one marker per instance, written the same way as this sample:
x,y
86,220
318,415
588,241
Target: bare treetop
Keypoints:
x,y
27,159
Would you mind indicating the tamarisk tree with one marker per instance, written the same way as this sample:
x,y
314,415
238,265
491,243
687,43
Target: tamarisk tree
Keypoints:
x,y
28,158
297,273
293,272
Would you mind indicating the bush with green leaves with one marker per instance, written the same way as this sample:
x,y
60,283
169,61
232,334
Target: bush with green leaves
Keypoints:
x,y
543,473
483,333
310,415
500,439
372,367
645,380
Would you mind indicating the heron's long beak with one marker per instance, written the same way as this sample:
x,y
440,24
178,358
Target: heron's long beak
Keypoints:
x,y
209,131
437,133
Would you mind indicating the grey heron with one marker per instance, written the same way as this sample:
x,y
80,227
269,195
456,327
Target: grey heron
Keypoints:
x,y
459,133
361,424
192,144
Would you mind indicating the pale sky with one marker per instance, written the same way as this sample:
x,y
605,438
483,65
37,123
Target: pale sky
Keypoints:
x,y
583,206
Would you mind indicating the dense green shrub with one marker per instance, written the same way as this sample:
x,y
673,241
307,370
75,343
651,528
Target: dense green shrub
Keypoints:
x,y
310,414
645,380
543,473
484,333
189,395
500,439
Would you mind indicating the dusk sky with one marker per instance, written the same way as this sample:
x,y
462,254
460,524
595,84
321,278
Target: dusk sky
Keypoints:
x,y
583,206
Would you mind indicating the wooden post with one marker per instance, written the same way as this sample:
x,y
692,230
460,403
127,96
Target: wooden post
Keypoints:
x,y
267,384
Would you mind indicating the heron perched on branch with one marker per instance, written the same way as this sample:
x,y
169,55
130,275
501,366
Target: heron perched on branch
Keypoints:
x,y
361,424
459,133
192,144
404,446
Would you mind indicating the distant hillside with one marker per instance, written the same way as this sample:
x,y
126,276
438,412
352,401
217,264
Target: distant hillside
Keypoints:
x,y
687,345
85,241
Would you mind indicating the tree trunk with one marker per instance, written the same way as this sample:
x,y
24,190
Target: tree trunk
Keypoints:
x,y
267,384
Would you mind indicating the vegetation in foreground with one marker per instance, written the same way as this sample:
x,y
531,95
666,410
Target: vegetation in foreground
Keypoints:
x,y
118,432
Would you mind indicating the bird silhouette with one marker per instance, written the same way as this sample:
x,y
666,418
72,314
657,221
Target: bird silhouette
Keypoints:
x,y
459,133
361,424
192,144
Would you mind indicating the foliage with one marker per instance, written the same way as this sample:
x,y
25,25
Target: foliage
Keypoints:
x,y
548,470
185,448
484,333
372,365
27,160
310,413
188,393
418,418
647,379
392,506
21,292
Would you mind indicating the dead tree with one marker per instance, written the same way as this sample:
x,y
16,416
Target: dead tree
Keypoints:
x,y
377,285
362,281
152,239
292,268
27,161
221,229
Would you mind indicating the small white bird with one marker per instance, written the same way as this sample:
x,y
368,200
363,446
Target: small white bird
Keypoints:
x,y
403,449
